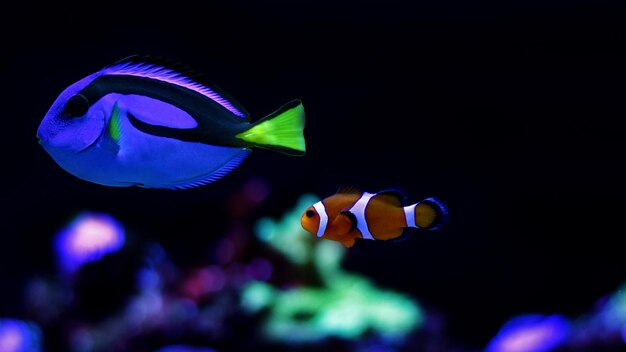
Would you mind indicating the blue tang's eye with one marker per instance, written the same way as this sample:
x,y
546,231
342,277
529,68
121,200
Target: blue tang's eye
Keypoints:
x,y
77,106
310,213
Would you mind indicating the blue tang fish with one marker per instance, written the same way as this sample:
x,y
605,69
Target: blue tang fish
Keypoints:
x,y
151,123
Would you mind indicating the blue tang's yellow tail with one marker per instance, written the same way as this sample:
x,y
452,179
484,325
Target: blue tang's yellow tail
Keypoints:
x,y
282,130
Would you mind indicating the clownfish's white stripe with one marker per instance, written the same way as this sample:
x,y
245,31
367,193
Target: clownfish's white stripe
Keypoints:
x,y
409,214
321,211
358,209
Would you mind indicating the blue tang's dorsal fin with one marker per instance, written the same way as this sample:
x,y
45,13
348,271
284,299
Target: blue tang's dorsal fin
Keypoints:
x,y
175,73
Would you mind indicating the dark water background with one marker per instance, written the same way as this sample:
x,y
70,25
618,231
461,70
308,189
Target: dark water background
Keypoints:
x,y
507,111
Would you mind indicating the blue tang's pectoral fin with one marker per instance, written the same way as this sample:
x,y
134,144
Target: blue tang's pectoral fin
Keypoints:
x,y
113,131
115,125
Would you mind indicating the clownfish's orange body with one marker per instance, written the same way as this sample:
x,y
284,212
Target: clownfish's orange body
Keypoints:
x,y
350,214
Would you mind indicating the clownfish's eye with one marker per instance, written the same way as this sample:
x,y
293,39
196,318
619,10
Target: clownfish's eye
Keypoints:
x,y
310,213
77,106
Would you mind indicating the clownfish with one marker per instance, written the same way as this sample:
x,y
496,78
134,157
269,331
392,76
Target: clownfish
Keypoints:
x,y
351,214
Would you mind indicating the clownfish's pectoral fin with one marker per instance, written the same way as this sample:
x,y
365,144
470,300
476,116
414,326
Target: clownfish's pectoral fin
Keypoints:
x,y
345,222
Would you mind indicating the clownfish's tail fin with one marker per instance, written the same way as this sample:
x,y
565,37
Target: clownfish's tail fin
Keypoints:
x,y
429,214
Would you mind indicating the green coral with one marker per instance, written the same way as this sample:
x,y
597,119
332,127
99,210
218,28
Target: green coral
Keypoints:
x,y
286,235
347,305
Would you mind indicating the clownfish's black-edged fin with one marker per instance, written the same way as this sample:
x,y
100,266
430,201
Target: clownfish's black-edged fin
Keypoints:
x,y
352,219
159,67
395,195
349,190
441,213
405,234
